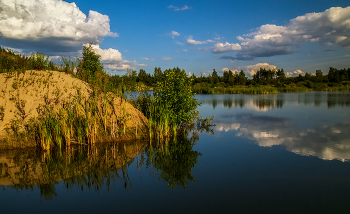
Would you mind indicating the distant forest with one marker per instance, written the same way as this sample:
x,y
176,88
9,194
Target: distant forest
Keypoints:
x,y
335,79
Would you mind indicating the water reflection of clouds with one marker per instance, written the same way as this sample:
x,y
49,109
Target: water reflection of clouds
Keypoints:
x,y
226,126
326,142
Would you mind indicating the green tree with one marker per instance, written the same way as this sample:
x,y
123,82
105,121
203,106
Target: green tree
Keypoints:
x,y
241,79
158,74
281,76
319,76
215,76
174,95
91,64
142,75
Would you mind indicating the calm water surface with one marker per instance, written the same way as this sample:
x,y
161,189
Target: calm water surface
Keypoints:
x,y
283,153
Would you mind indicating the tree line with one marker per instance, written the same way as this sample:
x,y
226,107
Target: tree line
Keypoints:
x,y
90,69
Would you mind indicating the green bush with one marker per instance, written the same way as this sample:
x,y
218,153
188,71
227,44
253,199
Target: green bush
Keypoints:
x,y
174,96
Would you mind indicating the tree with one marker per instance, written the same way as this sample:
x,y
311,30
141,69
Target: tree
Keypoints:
x,y
215,76
158,74
142,75
90,64
174,95
241,79
280,75
319,76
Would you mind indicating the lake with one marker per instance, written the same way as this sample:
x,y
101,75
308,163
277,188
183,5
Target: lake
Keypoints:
x,y
280,153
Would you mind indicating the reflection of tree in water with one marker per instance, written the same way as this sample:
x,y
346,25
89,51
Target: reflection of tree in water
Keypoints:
x,y
228,103
338,99
82,167
174,159
214,103
268,102
94,166
239,102
263,103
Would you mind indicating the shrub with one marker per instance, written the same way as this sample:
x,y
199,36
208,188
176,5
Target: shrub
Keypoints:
x,y
174,96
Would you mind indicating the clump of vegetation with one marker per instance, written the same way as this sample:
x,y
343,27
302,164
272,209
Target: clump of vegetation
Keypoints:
x,y
85,120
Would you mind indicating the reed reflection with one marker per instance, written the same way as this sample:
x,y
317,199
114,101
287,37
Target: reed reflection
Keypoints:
x,y
90,167
83,167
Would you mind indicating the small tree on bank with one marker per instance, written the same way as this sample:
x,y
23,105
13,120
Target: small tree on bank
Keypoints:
x,y
90,65
174,96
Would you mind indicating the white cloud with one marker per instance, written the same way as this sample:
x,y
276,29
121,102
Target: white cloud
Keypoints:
x,y
218,37
252,69
185,7
225,69
295,73
226,126
289,74
185,50
167,58
53,25
227,47
174,33
112,59
191,41
331,27
146,58
179,43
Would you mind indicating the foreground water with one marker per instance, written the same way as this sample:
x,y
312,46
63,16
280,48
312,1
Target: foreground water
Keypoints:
x,y
283,153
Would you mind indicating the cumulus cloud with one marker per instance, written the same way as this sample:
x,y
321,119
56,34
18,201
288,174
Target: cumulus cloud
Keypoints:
x,y
295,73
331,27
227,47
225,69
112,59
191,41
167,58
252,69
185,7
174,33
50,25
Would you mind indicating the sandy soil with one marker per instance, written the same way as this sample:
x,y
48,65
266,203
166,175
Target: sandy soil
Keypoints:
x,y
39,87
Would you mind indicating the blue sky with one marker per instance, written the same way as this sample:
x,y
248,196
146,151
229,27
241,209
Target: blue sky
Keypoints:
x,y
198,36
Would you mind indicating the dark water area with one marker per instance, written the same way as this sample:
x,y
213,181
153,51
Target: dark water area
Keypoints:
x,y
280,153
